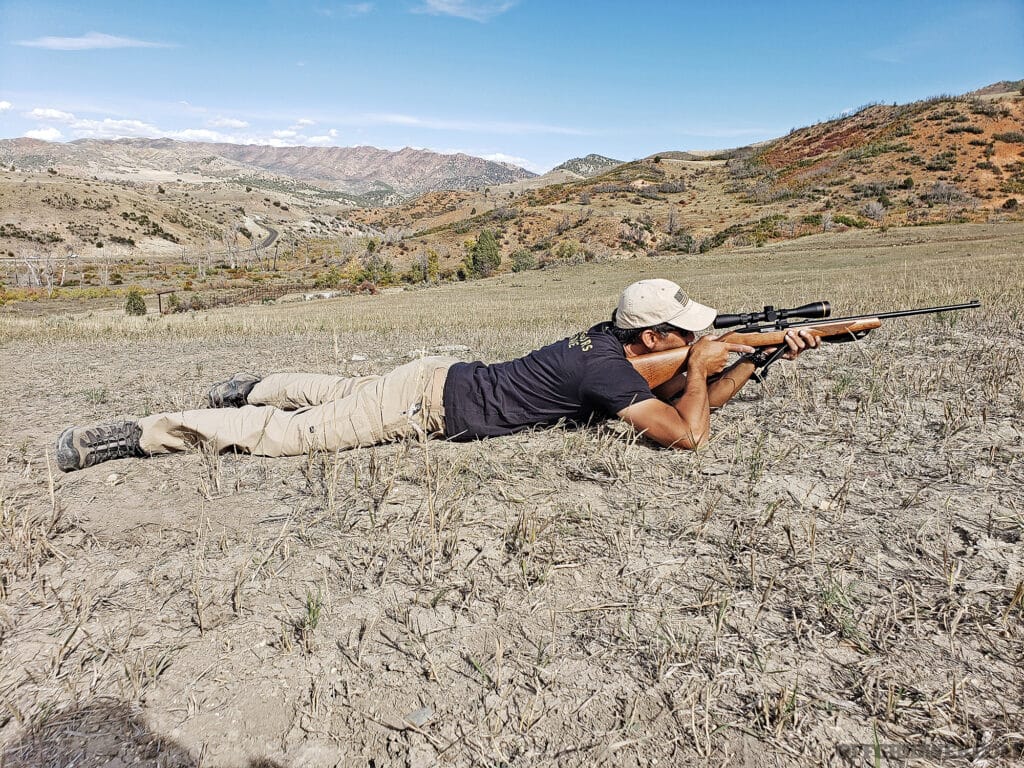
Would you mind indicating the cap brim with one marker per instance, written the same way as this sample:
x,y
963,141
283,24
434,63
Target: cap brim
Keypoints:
x,y
696,317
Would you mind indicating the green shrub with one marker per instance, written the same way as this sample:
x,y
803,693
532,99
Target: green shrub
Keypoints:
x,y
523,260
942,162
679,243
849,221
484,256
567,250
135,304
333,279
1010,137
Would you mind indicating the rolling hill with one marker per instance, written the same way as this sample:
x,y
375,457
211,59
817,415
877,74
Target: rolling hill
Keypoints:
x,y
947,159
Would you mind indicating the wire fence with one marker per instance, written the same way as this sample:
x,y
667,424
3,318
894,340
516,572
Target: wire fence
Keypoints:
x,y
230,297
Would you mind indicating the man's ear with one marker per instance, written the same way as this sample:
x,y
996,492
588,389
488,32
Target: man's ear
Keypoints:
x,y
649,338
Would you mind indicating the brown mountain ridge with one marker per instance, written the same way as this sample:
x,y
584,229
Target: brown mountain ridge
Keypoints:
x,y
379,174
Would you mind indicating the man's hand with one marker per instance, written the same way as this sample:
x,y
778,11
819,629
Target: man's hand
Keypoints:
x,y
709,356
798,342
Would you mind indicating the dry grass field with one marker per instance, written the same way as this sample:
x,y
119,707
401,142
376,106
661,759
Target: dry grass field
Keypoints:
x,y
837,578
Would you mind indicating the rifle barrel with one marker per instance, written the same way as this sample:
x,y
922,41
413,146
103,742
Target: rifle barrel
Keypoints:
x,y
972,304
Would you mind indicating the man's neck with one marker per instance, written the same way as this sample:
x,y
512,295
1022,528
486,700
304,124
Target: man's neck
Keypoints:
x,y
634,349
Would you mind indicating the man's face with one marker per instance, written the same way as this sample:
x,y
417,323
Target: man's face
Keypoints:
x,y
674,339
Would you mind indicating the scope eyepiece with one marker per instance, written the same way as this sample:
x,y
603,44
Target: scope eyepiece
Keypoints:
x,y
728,321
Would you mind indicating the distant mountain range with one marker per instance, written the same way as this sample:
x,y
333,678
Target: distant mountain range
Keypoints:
x,y
367,174
948,158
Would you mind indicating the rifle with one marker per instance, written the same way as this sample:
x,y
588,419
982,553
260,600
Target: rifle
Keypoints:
x,y
768,329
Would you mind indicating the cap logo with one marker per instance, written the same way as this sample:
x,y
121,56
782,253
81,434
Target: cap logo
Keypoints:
x,y
680,297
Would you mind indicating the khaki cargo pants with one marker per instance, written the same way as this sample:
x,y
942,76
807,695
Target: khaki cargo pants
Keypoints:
x,y
291,414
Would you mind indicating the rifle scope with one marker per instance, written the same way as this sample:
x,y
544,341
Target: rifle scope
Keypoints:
x,y
770,314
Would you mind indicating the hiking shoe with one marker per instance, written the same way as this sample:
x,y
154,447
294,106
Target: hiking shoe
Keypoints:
x,y
233,392
81,447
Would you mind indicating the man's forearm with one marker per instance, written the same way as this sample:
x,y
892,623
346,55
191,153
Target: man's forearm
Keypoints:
x,y
671,389
730,382
694,407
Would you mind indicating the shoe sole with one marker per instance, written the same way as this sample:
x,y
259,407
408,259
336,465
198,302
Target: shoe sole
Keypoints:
x,y
229,393
67,456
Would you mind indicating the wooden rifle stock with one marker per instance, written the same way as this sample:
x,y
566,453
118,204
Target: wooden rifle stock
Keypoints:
x,y
659,367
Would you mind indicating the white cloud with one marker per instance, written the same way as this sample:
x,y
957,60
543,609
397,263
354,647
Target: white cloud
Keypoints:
x,y
522,162
229,137
45,134
324,140
114,129
474,10
228,122
387,119
5,105
56,124
727,133
45,113
496,126
349,9
90,41
199,134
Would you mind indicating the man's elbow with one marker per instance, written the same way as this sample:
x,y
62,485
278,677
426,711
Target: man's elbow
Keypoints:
x,y
691,441
663,425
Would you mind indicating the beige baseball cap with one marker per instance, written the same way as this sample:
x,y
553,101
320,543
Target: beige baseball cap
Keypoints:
x,y
652,302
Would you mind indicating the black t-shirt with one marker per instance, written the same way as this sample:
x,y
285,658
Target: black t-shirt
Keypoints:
x,y
576,379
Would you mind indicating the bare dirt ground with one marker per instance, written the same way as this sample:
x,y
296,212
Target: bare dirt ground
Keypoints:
x,y
838,578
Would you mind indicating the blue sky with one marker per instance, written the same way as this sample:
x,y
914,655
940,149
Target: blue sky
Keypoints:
x,y
526,81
